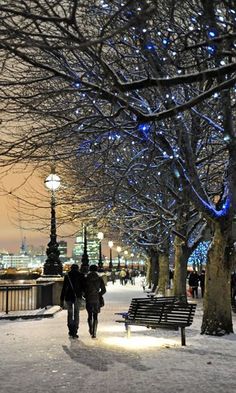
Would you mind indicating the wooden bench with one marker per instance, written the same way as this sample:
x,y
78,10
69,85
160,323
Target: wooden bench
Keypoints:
x,y
159,312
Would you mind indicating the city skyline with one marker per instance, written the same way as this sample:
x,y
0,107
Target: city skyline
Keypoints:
x,y
11,233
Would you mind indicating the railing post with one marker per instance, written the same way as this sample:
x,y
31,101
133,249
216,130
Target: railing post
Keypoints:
x,y
44,295
7,294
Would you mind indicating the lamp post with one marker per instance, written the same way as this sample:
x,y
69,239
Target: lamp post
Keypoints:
x,y
132,259
85,258
100,236
125,256
110,244
118,249
53,265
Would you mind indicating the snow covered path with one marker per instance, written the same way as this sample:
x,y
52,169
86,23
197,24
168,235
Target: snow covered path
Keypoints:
x,y
37,355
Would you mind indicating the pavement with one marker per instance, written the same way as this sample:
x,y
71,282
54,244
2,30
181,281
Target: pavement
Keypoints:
x,y
48,312
38,356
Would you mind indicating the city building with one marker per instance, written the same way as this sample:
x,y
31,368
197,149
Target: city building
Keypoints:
x,y
92,246
62,247
16,261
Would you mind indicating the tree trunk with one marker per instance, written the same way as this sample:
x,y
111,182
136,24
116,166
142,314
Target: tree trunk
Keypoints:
x,y
154,268
217,317
163,274
149,273
180,267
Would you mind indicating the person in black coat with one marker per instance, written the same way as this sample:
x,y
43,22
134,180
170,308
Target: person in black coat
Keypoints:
x,y
94,288
72,291
193,283
202,281
233,286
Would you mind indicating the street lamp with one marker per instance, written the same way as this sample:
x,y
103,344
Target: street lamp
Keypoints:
x,y
85,258
53,265
125,256
132,259
118,249
110,244
100,236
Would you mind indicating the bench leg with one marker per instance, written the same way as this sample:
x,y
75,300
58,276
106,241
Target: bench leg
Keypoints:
x,y
127,328
183,341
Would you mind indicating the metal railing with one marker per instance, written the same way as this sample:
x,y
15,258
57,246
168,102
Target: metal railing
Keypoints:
x,y
25,296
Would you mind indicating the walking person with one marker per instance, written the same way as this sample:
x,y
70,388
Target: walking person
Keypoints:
x,y
132,277
94,288
113,277
72,291
127,276
122,276
193,283
233,286
202,281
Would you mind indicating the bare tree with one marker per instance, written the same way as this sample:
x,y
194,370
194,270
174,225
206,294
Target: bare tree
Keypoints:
x,y
158,77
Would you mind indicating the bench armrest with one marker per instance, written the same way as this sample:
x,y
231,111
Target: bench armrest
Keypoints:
x,y
151,294
123,314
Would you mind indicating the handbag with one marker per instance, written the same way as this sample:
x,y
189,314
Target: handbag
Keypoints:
x,y
101,300
81,301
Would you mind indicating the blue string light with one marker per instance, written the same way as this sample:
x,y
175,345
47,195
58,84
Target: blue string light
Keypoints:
x,y
150,46
212,33
211,49
165,42
144,129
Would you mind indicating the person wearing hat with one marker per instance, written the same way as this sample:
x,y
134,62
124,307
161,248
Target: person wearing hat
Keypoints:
x,y
94,289
72,291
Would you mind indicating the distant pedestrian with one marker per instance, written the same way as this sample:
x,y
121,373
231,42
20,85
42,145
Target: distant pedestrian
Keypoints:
x,y
104,276
143,283
72,291
94,288
193,283
233,285
122,276
127,276
171,277
113,277
202,281
132,277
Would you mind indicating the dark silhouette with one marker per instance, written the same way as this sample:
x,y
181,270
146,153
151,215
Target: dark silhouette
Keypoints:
x,y
72,291
202,281
233,286
113,277
132,277
171,277
122,276
193,283
94,288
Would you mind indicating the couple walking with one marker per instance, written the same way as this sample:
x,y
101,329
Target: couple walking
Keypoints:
x,y
75,286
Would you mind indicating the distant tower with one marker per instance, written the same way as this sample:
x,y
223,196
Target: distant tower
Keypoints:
x,y
62,247
23,248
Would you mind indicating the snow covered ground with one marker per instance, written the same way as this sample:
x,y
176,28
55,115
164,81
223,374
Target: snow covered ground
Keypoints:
x,y
38,356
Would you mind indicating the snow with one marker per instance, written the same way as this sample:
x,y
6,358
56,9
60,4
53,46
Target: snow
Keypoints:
x,y
37,355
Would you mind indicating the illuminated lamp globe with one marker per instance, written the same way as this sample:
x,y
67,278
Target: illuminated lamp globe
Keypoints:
x,y
100,236
110,243
52,182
